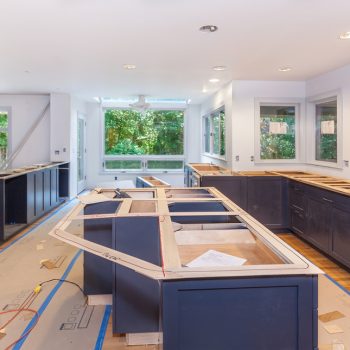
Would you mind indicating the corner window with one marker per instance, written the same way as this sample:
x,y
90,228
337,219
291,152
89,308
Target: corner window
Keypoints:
x,y
141,141
214,136
4,136
326,131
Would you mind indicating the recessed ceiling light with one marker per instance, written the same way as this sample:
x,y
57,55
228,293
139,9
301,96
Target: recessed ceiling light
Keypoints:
x,y
214,80
208,28
204,90
219,68
344,36
129,66
285,69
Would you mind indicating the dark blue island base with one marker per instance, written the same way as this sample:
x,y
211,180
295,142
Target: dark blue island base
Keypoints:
x,y
272,313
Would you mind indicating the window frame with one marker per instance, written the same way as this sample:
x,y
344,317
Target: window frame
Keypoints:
x,y
143,158
298,105
210,116
8,130
311,128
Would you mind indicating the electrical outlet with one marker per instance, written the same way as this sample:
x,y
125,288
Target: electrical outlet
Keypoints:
x,y
252,158
346,163
116,178
237,158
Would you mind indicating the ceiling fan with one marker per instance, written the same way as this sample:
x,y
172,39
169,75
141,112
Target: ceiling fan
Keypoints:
x,y
140,105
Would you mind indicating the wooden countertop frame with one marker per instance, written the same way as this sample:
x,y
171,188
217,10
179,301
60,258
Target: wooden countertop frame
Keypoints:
x,y
295,264
326,182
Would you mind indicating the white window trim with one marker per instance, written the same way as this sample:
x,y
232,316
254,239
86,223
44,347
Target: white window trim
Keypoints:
x,y
211,154
8,129
311,129
299,107
142,158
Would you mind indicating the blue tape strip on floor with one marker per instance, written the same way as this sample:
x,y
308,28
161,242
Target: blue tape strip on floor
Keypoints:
x,y
338,284
103,329
36,226
48,299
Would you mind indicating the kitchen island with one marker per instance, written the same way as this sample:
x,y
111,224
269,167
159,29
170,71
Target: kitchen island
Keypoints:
x,y
157,234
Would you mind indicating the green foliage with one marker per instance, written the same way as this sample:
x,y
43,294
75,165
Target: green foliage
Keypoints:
x,y
277,146
326,144
3,136
128,132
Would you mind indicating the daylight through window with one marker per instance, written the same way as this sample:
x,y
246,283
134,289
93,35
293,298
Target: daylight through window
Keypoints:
x,y
151,140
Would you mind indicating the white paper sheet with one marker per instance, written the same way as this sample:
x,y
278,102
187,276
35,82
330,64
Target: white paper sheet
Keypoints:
x,y
278,127
328,127
213,258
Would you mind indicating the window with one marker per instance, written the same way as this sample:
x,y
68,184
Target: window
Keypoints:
x,y
214,133
277,132
152,140
326,131
4,136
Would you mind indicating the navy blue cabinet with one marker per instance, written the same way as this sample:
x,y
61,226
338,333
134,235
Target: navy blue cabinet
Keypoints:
x,y
26,197
233,187
318,223
271,313
340,232
267,200
322,218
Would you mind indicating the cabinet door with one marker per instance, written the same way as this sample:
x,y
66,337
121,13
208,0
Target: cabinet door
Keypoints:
x,y
54,186
30,197
39,193
341,234
267,200
318,223
233,187
47,189
297,221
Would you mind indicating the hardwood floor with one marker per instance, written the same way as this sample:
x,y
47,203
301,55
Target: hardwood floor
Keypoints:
x,y
339,274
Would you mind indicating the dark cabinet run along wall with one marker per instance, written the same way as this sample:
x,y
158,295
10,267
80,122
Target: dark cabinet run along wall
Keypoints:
x,y
27,197
319,216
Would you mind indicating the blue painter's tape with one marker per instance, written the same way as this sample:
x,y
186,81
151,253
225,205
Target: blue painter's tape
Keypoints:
x,y
103,329
337,284
49,298
36,226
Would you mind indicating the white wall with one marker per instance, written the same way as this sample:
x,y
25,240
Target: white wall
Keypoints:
x,y
221,98
24,111
337,80
95,175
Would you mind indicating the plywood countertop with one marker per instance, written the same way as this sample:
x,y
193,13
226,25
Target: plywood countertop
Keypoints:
x,y
329,183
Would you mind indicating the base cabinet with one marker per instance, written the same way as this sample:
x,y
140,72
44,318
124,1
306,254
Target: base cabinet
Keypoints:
x,y
220,315
322,218
318,223
340,243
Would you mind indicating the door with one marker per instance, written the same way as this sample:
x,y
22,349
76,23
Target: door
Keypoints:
x,y
81,152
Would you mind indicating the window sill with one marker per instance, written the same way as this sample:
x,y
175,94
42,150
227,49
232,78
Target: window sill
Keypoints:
x,y
214,157
326,164
277,161
141,172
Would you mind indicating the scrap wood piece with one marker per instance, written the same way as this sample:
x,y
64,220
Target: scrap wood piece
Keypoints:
x,y
2,333
39,247
52,263
333,328
330,316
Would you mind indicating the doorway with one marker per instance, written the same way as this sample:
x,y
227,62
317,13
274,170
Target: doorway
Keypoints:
x,y
81,152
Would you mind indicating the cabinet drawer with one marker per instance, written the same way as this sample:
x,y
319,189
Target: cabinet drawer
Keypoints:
x,y
297,196
297,221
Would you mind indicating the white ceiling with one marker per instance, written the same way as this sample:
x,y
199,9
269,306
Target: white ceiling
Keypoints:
x,y
79,46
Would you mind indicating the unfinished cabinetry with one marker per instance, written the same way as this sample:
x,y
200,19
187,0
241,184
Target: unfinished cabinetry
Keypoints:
x,y
267,200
